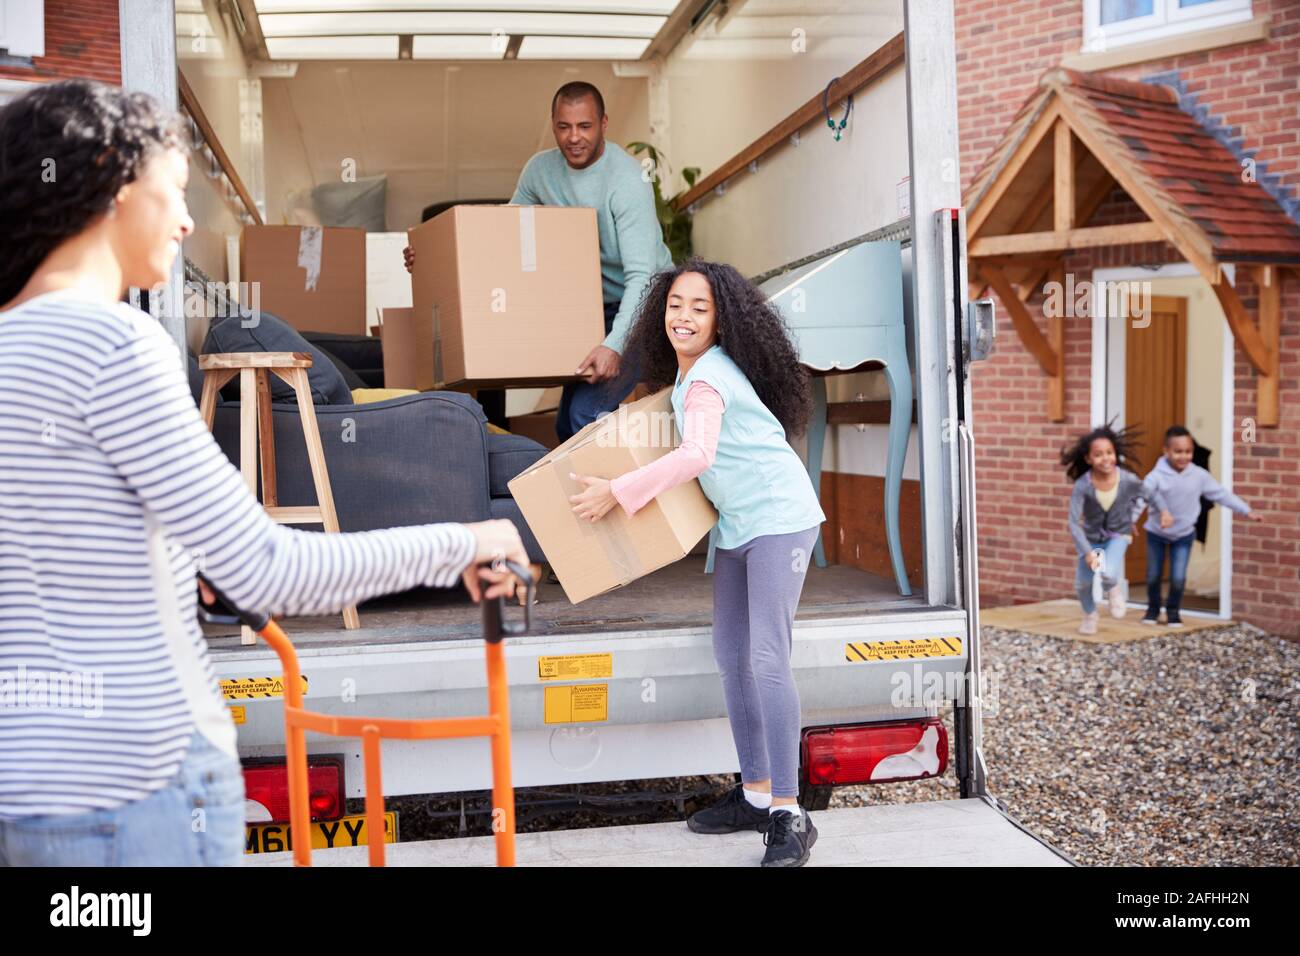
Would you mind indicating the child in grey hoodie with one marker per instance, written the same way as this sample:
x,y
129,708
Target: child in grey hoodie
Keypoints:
x,y
1181,485
1105,501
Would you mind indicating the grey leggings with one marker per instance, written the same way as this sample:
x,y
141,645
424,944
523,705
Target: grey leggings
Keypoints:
x,y
755,592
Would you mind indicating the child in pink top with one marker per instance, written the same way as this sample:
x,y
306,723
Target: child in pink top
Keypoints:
x,y
739,392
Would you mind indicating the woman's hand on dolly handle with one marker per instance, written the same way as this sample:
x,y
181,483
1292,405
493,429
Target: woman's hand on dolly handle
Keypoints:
x,y
496,541
595,500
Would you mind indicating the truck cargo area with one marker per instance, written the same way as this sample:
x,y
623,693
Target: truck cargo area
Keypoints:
x,y
680,595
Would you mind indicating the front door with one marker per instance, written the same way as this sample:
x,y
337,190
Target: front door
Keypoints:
x,y
1155,397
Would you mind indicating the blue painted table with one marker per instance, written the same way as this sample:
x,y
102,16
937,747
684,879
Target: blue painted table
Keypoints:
x,y
846,311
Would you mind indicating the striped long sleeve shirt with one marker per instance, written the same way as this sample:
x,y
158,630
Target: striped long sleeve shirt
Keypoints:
x,y
112,491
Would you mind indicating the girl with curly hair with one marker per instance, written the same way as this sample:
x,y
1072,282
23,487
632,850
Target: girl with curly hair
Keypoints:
x,y
1106,499
738,392
112,487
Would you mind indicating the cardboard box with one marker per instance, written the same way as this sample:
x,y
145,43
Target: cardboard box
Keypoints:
x,y
592,558
513,292
408,350
539,426
313,277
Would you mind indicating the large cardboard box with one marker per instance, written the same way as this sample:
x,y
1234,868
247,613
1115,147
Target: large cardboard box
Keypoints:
x,y
408,350
313,277
592,558
513,292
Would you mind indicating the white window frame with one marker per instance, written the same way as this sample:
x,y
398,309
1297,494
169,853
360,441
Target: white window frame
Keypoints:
x,y
22,27
11,89
1167,19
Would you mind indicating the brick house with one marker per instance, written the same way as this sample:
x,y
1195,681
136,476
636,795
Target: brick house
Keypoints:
x,y
1194,105
75,38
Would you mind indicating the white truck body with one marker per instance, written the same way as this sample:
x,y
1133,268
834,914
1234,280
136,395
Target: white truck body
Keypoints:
x,y
666,712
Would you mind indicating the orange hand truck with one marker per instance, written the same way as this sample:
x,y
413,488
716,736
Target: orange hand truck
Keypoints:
x,y
297,721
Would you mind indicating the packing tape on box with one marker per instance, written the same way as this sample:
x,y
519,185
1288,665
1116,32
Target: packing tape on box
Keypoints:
x,y
310,239
527,239
437,348
622,558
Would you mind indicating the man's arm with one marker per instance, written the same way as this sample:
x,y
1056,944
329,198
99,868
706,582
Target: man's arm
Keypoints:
x,y
641,244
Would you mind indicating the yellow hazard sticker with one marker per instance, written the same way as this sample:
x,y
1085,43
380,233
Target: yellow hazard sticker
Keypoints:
x,y
239,714
906,649
576,704
246,688
575,667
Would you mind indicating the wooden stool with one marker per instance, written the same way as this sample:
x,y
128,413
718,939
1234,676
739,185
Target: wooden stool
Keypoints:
x,y
256,429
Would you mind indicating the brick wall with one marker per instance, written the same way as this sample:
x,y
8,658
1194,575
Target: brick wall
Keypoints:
x,y
1025,550
81,40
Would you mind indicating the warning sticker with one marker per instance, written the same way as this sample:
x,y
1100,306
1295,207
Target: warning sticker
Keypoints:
x,y
576,704
245,688
857,651
575,667
239,715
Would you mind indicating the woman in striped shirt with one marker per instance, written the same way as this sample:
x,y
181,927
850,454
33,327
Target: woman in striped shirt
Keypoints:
x,y
115,746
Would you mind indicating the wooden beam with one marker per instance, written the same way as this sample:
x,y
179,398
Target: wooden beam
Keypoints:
x,y
1267,410
1056,338
1086,238
1023,322
872,68
191,103
976,217
1063,176
1091,203
1243,330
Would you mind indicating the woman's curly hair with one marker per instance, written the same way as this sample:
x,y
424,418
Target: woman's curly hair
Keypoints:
x,y
66,149
749,329
1075,456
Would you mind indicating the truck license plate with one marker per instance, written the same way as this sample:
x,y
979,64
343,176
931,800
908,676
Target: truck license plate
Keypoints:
x,y
325,834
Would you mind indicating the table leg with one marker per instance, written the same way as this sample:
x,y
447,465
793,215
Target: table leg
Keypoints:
x,y
816,445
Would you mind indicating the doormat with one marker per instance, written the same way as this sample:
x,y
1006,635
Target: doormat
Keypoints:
x,y
1060,618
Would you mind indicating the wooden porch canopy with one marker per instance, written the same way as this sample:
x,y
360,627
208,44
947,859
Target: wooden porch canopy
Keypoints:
x,y
1075,138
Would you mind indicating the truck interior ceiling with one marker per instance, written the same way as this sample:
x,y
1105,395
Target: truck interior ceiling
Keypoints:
x,y
779,145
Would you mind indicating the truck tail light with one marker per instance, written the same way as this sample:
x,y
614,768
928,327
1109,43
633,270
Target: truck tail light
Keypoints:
x,y
266,790
876,753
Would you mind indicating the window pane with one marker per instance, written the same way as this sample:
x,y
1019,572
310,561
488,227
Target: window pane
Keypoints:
x,y
1113,11
1194,3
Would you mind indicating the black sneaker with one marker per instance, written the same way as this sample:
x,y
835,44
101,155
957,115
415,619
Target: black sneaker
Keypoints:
x,y
1173,619
729,815
788,839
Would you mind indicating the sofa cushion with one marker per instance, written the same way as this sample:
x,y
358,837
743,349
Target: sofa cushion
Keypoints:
x,y
508,455
273,334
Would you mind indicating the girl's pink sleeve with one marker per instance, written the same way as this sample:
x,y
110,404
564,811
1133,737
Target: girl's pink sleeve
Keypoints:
x,y
703,407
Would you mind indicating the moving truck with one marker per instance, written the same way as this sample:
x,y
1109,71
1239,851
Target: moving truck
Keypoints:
x,y
625,687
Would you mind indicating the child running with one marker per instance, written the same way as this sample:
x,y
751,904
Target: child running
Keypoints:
x,y
1182,485
738,391
1107,498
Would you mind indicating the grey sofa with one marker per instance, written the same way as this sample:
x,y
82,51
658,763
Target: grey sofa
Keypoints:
x,y
416,459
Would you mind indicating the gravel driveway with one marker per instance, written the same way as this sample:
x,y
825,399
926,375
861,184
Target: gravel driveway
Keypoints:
x,y
1180,750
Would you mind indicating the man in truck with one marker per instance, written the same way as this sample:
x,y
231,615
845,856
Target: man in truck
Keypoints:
x,y
585,170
